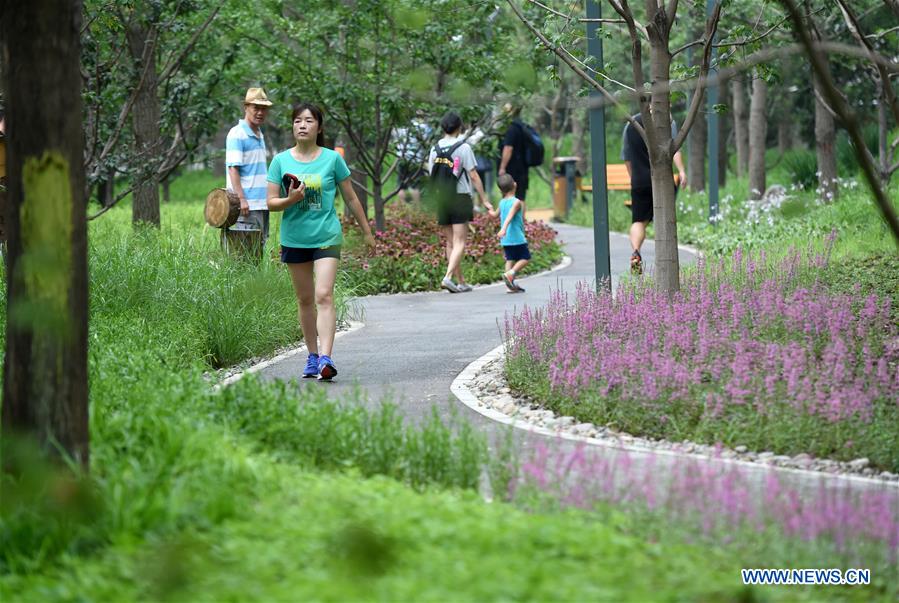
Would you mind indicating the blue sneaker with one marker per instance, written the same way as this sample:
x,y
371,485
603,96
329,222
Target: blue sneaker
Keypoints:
x,y
326,368
311,369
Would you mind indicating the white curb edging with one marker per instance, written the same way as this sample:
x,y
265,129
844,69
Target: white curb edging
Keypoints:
x,y
460,388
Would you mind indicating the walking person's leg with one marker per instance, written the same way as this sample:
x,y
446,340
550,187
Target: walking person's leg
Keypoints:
x,y
304,287
459,237
325,274
637,235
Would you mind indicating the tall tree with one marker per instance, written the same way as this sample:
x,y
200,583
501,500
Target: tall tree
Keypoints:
x,y
45,366
698,139
741,124
142,34
758,135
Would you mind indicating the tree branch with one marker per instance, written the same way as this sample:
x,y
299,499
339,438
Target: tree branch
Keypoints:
x,y
174,63
848,118
555,49
711,27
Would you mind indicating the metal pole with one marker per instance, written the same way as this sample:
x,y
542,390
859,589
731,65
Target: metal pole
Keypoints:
x,y
712,143
598,158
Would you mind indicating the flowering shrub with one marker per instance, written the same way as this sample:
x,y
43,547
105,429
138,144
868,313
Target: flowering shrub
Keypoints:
x,y
755,512
754,351
410,254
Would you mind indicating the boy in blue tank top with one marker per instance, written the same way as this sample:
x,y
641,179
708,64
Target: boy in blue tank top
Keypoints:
x,y
511,233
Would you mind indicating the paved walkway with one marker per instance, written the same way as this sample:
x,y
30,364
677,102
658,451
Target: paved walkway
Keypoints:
x,y
413,346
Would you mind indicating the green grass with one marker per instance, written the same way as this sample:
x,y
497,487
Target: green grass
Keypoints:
x,y
333,537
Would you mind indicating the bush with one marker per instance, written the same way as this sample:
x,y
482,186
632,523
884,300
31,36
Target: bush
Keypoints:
x,y
410,254
802,167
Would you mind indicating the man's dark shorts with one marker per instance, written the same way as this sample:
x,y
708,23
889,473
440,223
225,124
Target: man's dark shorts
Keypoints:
x,y
410,173
641,204
302,255
455,209
514,253
521,190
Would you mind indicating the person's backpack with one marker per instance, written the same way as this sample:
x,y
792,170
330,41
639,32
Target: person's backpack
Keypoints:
x,y
533,146
443,179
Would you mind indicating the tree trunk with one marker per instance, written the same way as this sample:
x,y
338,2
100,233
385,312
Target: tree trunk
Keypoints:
x,y
579,131
380,221
145,123
741,135
883,130
825,147
723,134
667,261
785,130
758,133
45,394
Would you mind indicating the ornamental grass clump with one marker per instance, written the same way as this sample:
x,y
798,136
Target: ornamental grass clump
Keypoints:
x,y
754,351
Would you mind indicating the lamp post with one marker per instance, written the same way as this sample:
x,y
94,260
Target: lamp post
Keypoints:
x,y
598,157
712,143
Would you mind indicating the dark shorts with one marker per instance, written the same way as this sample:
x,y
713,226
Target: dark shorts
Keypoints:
x,y
521,181
302,255
641,204
514,253
455,209
411,173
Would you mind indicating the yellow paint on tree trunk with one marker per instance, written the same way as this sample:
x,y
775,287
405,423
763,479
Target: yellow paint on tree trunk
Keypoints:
x,y
45,225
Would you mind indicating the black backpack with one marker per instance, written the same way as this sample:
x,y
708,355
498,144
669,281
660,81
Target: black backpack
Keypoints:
x,y
443,181
533,146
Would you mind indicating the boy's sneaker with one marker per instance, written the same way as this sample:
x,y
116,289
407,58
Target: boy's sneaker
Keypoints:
x,y
518,288
326,368
449,285
636,263
464,287
510,282
311,369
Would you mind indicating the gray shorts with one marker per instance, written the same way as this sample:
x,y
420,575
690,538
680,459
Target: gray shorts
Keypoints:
x,y
257,219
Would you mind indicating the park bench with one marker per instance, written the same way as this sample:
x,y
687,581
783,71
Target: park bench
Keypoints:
x,y
617,179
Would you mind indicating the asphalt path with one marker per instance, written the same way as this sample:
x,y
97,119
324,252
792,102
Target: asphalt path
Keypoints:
x,y
414,345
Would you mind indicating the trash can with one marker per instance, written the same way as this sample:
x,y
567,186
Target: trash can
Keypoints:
x,y
564,185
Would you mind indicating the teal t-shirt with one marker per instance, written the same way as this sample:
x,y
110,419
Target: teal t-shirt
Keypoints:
x,y
312,222
515,232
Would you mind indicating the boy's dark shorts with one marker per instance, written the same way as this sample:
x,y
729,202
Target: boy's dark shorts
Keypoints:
x,y
514,253
641,204
455,209
302,255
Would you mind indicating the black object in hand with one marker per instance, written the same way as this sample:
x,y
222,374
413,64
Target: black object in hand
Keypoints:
x,y
290,180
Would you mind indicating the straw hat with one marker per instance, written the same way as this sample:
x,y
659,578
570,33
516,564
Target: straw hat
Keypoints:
x,y
256,96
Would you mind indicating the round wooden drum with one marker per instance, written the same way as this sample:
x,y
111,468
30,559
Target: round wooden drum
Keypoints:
x,y
222,208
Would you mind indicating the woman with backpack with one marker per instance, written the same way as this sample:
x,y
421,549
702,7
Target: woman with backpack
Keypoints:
x,y
454,174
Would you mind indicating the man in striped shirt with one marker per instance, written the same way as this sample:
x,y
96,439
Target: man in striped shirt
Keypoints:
x,y
245,164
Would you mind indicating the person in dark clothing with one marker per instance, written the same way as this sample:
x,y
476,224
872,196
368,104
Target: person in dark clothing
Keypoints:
x,y
636,157
513,152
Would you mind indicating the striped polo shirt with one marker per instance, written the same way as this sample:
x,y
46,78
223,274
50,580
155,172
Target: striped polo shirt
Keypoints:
x,y
245,150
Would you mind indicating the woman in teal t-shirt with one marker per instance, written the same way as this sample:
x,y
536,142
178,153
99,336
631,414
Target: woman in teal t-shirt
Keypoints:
x,y
302,182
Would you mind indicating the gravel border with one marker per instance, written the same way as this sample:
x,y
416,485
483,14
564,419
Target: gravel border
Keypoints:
x,y
482,387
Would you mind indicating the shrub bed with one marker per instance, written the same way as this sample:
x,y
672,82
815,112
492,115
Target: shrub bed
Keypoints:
x,y
410,254
755,352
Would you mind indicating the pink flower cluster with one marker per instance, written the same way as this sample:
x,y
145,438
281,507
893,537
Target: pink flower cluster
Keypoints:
x,y
748,334
718,497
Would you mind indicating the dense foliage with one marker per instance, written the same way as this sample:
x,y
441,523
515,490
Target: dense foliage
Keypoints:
x,y
410,254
